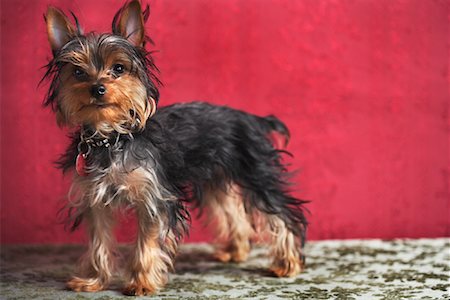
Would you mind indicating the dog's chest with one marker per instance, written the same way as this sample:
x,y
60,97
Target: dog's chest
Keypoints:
x,y
120,185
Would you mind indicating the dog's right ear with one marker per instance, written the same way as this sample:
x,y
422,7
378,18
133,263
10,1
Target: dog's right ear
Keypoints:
x,y
59,29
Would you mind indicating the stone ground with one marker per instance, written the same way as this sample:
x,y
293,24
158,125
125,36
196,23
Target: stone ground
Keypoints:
x,y
353,269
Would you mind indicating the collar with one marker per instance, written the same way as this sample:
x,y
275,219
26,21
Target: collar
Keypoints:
x,y
90,139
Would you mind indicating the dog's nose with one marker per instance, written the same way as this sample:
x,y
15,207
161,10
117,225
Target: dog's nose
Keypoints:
x,y
98,90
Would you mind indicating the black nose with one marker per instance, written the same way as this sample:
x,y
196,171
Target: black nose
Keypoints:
x,y
98,90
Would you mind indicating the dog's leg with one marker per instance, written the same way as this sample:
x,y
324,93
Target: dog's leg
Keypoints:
x,y
96,265
285,249
234,227
272,224
232,223
153,254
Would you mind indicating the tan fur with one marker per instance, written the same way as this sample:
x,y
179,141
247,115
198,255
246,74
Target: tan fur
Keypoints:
x,y
96,266
80,59
149,266
138,189
232,223
235,227
285,249
78,284
123,95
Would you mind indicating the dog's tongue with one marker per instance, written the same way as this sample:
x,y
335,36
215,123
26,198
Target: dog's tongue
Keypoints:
x,y
80,165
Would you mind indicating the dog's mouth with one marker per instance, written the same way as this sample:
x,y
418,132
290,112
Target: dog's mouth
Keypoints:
x,y
98,105
102,105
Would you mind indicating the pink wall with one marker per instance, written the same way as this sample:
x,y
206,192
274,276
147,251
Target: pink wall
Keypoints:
x,y
363,85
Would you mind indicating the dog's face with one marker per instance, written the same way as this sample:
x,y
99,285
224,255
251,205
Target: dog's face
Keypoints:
x,y
103,81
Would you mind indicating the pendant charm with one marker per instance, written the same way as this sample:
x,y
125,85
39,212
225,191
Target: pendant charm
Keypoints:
x,y
80,164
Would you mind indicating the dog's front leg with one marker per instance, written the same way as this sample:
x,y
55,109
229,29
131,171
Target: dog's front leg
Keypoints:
x,y
96,266
152,259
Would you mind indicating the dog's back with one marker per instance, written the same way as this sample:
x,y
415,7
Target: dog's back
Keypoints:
x,y
232,170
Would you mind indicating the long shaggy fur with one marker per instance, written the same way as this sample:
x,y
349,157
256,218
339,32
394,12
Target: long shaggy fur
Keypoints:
x,y
197,148
211,157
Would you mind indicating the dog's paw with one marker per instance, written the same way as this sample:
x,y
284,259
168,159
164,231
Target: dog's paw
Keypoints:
x,y
233,253
222,256
240,254
287,268
136,289
78,284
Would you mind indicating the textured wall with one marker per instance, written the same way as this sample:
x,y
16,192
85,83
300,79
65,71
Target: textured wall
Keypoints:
x,y
363,85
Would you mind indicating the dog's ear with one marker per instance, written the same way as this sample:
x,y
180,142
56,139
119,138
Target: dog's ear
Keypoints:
x,y
59,29
129,23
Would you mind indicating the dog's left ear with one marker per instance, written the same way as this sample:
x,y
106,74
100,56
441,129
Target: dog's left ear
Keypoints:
x,y
129,23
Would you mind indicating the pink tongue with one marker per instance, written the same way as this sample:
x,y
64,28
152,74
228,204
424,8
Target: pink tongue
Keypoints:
x,y
80,165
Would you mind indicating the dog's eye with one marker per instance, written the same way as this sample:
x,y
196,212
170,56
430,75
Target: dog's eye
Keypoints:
x,y
79,73
118,68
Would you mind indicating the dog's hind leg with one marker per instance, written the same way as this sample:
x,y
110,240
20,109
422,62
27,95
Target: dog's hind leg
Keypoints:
x,y
285,249
227,212
279,217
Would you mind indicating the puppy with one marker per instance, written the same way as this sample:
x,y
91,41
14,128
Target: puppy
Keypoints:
x,y
126,153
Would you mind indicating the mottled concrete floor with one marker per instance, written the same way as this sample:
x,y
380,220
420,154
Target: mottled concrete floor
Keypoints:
x,y
374,269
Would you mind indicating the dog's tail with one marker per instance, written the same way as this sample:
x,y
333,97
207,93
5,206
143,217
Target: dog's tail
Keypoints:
x,y
272,124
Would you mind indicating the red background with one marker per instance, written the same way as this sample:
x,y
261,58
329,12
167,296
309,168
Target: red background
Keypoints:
x,y
363,86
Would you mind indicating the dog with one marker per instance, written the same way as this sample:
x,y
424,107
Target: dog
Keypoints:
x,y
124,152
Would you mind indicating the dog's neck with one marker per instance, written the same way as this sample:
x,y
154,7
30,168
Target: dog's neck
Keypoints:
x,y
95,149
91,139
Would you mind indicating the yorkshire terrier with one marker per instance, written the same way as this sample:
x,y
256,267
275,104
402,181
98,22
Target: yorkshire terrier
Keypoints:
x,y
125,153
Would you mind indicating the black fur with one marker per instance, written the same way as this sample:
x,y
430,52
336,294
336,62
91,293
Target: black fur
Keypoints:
x,y
198,145
220,145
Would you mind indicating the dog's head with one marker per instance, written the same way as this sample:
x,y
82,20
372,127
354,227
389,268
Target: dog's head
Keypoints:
x,y
103,81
